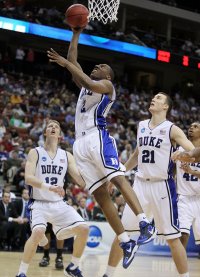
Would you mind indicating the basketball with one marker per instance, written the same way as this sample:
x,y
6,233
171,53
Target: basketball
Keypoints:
x,y
77,16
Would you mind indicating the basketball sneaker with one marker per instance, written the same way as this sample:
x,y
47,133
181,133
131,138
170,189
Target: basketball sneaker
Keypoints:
x,y
59,263
147,232
72,272
44,262
129,249
21,275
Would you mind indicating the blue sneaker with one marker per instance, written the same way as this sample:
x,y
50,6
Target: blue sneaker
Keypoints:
x,y
147,232
21,275
129,249
72,272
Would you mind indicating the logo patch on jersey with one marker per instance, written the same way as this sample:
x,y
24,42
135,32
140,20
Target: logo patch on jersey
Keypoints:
x,y
44,159
62,160
163,132
142,130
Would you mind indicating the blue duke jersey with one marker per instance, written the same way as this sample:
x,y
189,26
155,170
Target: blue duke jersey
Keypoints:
x,y
187,184
50,171
155,150
91,111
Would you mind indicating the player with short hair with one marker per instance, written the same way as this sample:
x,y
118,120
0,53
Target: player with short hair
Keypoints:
x,y
154,184
45,172
188,189
95,150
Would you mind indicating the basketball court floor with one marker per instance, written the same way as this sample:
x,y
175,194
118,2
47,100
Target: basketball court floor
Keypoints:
x,y
94,266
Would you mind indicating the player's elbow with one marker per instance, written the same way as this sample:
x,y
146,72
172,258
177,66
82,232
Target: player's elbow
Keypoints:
x,y
87,84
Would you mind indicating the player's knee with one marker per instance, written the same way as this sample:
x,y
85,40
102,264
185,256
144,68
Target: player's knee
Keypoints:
x,y
173,243
83,230
37,234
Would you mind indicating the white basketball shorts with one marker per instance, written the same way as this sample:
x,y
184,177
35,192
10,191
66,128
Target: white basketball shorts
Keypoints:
x,y
189,215
62,216
96,158
158,200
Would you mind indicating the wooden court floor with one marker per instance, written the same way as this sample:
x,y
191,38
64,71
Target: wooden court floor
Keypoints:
x,y
94,266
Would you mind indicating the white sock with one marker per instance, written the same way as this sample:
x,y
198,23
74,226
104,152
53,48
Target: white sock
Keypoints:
x,y
23,268
123,237
142,217
185,274
110,270
75,261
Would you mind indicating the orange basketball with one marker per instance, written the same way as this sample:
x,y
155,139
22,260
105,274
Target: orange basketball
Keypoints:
x,y
77,16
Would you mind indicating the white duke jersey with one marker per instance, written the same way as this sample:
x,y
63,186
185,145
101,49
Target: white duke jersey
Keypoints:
x,y
91,111
187,184
50,171
154,145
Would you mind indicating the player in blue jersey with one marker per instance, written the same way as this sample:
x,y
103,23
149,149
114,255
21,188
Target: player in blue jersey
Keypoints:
x,y
154,184
95,150
45,172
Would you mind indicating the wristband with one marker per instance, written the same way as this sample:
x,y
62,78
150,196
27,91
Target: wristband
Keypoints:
x,y
45,186
122,167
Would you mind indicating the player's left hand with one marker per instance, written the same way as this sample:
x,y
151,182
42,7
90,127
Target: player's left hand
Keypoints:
x,y
182,156
57,189
54,57
186,167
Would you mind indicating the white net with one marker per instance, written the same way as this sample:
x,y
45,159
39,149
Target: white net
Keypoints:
x,y
103,10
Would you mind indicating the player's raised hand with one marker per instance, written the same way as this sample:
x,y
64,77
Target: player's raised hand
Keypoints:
x,y
182,156
57,189
54,57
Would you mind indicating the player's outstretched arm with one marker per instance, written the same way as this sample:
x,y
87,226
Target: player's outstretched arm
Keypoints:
x,y
72,54
132,161
73,171
102,86
187,156
195,153
179,138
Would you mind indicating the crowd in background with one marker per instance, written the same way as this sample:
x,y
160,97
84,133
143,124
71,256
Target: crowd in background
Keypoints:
x,y
134,32
28,101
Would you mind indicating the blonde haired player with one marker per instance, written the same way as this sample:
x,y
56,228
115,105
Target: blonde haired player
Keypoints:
x,y
154,184
95,150
45,172
188,189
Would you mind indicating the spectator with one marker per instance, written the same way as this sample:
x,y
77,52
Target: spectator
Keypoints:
x,y
126,153
2,129
19,58
10,224
21,209
19,179
83,211
11,165
98,214
16,121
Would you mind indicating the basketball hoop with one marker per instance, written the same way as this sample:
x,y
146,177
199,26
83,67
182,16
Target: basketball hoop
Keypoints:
x,y
103,10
